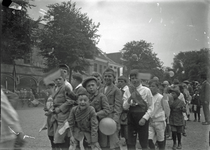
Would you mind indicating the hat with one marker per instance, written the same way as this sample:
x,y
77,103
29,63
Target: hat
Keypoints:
x,y
165,83
87,80
83,92
186,81
64,66
173,89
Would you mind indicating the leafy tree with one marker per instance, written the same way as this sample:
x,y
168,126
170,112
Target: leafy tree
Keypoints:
x,y
18,33
68,37
139,55
191,64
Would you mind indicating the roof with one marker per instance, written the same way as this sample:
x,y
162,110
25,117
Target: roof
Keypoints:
x,y
115,57
104,56
22,69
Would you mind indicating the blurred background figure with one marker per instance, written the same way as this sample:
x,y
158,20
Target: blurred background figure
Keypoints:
x,y
11,131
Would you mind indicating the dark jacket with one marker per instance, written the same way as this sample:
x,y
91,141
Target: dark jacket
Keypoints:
x,y
176,117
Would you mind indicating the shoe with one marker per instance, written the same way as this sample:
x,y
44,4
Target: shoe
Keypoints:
x,y
205,123
199,120
195,120
169,138
174,147
179,146
184,134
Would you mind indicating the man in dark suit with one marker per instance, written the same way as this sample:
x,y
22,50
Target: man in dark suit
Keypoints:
x,y
205,98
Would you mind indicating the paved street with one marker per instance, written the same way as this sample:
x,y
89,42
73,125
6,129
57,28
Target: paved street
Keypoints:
x,y
32,119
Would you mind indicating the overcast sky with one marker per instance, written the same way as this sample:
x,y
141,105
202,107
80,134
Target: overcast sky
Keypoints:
x,y
172,26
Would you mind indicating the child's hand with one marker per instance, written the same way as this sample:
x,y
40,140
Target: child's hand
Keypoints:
x,y
57,110
72,140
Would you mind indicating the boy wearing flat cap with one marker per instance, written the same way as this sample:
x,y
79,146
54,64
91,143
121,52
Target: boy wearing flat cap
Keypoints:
x,y
176,118
97,100
114,97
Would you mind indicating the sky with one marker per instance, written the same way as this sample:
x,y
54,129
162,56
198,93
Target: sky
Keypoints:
x,y
171,26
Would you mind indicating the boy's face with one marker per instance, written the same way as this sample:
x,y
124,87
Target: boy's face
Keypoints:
x,y
65,72
135,81
121,83
154,89
83,102
59,81
91,87
174,95
108,78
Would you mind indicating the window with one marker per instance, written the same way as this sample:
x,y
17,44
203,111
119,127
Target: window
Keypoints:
x,y
104,67
95,67
115,67
110,66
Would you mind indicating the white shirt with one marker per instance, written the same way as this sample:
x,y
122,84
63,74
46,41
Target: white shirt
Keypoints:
x,y
147,97
69,85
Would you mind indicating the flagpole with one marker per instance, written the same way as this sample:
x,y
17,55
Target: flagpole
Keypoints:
x,y
14,77
6,83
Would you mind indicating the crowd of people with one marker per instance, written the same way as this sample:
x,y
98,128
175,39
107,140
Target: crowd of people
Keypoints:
x,y
149,114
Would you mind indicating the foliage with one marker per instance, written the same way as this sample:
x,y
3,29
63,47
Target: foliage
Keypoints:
x,y
69,37
17,33
139,55
193,63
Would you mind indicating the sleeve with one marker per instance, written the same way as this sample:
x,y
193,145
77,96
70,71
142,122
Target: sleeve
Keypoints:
x,y
165,106
126,96
105,107
71,121
9,115
150,105
94,127
68,103
117,106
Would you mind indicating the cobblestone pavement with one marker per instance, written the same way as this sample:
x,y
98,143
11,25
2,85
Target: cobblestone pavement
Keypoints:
x,y
32,119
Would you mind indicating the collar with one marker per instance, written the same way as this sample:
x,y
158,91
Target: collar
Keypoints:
x,y
94,95
139,87
78,86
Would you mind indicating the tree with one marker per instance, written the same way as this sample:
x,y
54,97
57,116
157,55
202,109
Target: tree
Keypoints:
x,y
68,37
17,33
139,55
191,64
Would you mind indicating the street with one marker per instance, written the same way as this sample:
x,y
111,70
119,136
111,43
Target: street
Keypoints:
x,y
32,119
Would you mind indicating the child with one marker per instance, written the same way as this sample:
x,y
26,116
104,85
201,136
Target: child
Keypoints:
x,y
157,123
114,97
83,123
196,105
48,105
97,100
176,119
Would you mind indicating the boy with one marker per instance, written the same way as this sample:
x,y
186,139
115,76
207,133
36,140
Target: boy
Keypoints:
x,y
76,82
157,123
83,123
97,100
114,97
176,119
122,85
138,99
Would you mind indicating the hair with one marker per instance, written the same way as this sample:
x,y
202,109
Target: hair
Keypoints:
x,y
155,82
110,70
176,81
134,72
96,74
78,77
123,78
